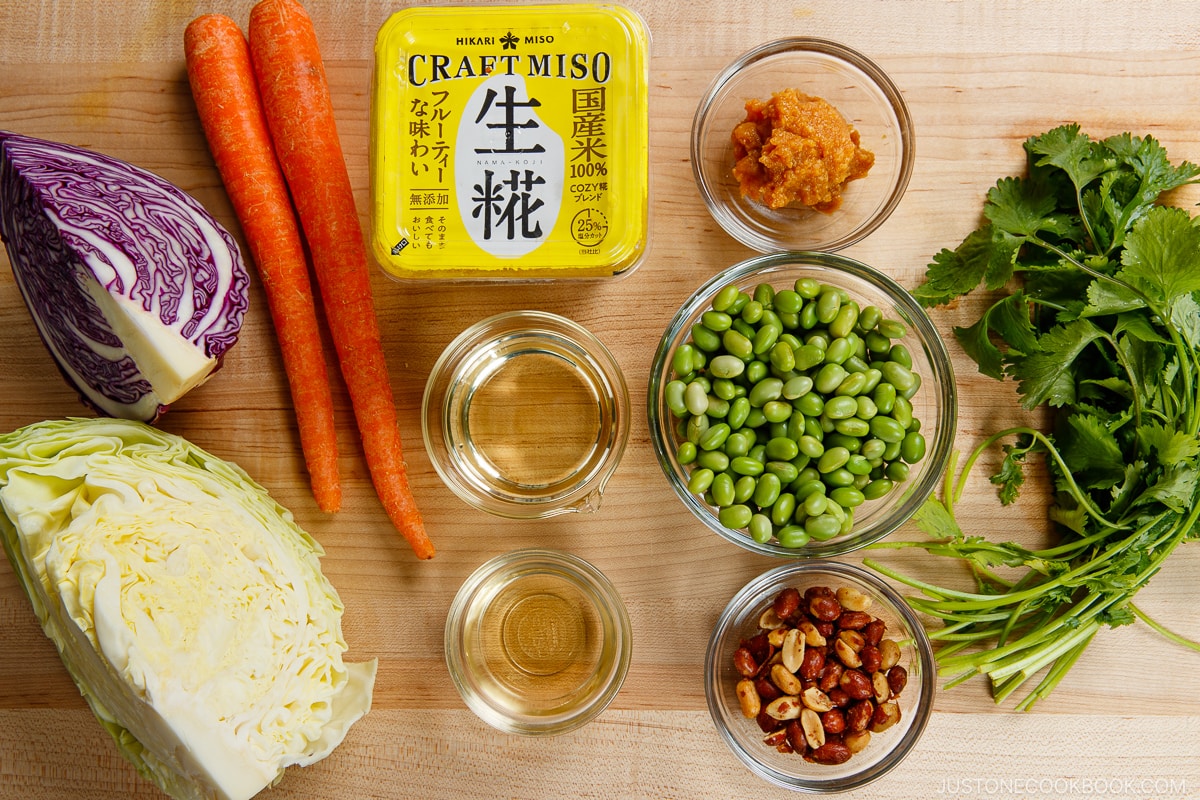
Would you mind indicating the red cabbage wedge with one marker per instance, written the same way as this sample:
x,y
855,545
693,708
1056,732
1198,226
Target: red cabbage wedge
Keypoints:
x,y
135,289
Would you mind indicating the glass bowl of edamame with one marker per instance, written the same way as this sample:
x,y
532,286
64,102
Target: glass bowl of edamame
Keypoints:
x,y
802,404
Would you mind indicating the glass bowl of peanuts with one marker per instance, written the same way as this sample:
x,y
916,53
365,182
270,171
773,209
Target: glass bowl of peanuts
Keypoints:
x,y
819,677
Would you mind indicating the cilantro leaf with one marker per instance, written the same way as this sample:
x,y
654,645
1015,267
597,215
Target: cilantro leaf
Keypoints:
x,y
1185,316
933,518
986,256
1162,255
1046,376
1176,489
1073,152
1021,207
1008,318
1091,452
1172,446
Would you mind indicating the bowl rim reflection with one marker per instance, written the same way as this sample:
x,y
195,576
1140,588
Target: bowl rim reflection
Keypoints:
x,y
921,327
757,592
857,61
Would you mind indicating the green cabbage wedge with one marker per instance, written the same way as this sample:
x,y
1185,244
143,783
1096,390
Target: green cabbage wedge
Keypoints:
x,y
188,606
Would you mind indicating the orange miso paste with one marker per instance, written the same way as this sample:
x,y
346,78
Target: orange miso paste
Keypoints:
x,y
796,149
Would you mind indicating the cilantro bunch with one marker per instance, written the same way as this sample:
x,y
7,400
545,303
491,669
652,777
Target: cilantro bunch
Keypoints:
x,y
1098,317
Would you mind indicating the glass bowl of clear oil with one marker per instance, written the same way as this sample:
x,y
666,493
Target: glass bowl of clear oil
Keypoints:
x,y
537,642
526,415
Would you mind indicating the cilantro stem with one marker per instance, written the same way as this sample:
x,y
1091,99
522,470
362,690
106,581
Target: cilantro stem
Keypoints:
x,y
1191,644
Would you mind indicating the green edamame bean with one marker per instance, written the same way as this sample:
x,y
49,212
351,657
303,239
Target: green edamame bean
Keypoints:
x,y
808,288
829,303
686,453
897,375
838,351
717,321
891,329
855,364
752,313
782,449
839,477
853,426
696,426
765,294
793,537
858,464
809,355
737,344
744,328
743,488
823,527
811,446
726,366
897,471
755,372
841,407
696,398
764,391
726,297
724,388
759,453
700,480
777,411
746,465
892,451
756,418
681,359
783,357
901,355
783,509
722,489
673,393
718,407
815,504
739,409
766,491
810,405
874,378
716,460
788,301
738,444
902,412
786,471
869,317
843,324
866,407
818,338
760,528
735,517
828,378
805,488
847,497
707,340
808,316
884,397
912,449
877,488
797,387
714,437
887,429
872,449
766,337
852,385
877,343
831,459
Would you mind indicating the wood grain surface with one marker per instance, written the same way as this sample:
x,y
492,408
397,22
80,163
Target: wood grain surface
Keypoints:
x,y
978,77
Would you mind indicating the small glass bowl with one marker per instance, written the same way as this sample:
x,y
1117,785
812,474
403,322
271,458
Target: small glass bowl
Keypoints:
x,y
744,737
526,415
537,642
858,89
935,404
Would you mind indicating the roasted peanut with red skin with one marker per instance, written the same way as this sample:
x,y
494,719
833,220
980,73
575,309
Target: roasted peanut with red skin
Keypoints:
x,y
874,631
897,678
825,609
834,751
857,685
834,720
767,691
795,736
812,663
831,674
859,716
886,715
744,663
787,603
839,698
871,658
854,620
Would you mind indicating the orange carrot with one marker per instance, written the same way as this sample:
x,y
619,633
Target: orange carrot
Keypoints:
x,y
295,94
226,95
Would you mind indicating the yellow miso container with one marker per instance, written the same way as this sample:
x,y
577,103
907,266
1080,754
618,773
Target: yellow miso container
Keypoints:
x,y
510,142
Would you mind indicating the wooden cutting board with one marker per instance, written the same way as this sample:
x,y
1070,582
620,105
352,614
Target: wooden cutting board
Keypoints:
x,y
978,77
